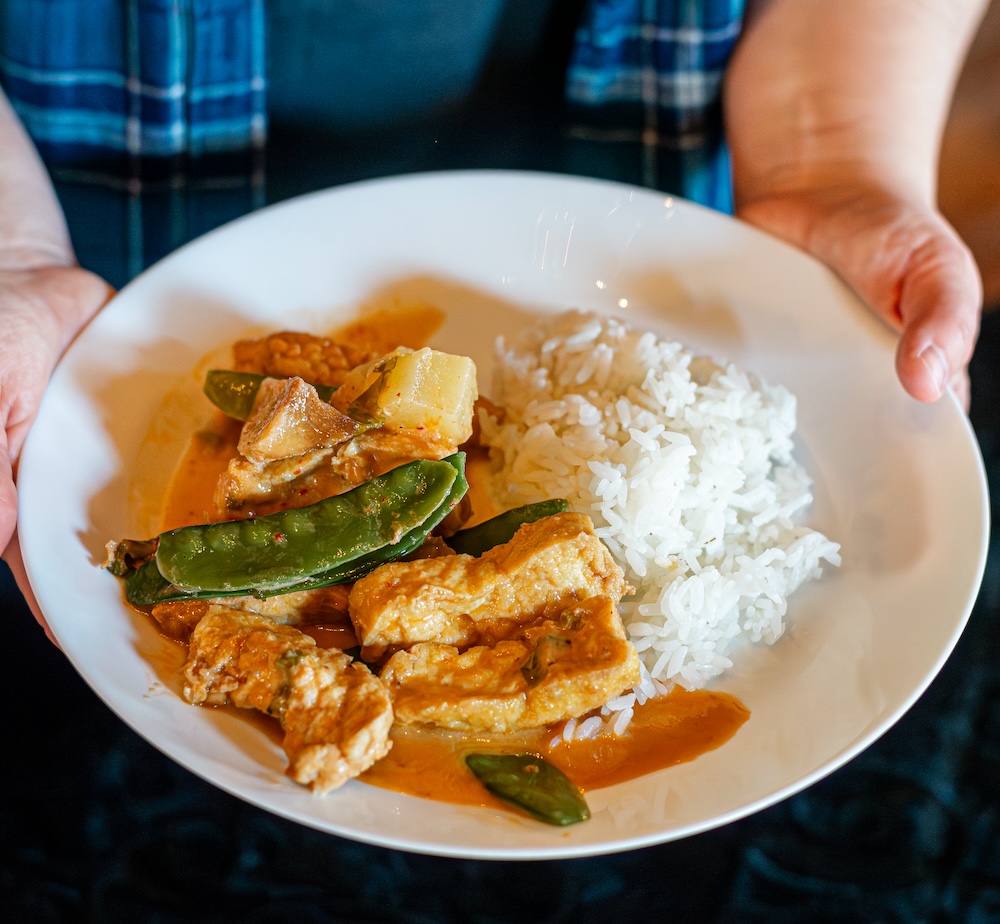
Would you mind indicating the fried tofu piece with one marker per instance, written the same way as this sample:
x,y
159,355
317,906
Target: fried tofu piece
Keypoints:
x,y
335,713
262,487
289,418
462,601
318,606
554,670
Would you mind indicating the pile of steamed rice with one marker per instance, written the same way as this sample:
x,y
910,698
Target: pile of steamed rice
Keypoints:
x,y
686,467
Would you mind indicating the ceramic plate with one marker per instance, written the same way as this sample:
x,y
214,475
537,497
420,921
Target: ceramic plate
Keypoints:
x,y
900,485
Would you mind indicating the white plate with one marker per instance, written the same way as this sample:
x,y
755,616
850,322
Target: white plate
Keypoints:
x,y
899,484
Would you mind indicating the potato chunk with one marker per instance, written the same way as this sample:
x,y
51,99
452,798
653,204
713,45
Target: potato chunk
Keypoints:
x,y
430,390
423,389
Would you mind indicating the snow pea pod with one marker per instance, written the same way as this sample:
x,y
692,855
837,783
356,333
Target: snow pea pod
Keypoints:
x,y
415,538
531,783
500,529
146,586
234,393
286,547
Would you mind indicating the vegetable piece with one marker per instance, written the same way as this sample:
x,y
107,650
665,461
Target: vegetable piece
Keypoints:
x,y
409,543
129,554
423,389
285,547
364,384
531,783
234,393
550,648
500,529
146,586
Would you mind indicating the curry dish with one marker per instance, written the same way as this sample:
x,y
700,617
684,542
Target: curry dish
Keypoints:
x,y
395,671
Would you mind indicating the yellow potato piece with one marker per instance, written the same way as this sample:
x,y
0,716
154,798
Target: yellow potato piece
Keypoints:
x,y
431,390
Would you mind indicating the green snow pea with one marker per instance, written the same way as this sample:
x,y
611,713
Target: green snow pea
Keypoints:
x,y
146,585
282,548
233,393
500,529
415,538
531,783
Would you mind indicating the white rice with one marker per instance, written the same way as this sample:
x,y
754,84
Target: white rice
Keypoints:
x,y
686,467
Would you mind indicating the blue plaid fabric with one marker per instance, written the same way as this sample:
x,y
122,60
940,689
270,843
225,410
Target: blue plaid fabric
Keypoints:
x,y
645,84
115,83
142,88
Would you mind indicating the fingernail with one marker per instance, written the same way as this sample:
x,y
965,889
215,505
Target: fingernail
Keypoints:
x,y
937,368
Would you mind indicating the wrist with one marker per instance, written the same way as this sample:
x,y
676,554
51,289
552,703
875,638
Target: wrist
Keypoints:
x,y
33,230
821,95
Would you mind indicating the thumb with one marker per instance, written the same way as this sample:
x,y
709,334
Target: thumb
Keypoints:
x,y
940,299
906,263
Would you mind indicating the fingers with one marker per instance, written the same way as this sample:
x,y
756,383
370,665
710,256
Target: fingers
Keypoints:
x,y
939,307
906,263
41,310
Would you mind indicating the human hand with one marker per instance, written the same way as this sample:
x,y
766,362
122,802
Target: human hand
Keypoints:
x,y
834,116
41,310
904,261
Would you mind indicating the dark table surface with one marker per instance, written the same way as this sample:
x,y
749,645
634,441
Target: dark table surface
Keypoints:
x,y
96,825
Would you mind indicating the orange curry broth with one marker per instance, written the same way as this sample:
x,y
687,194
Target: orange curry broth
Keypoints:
x,y
665,731
669,730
